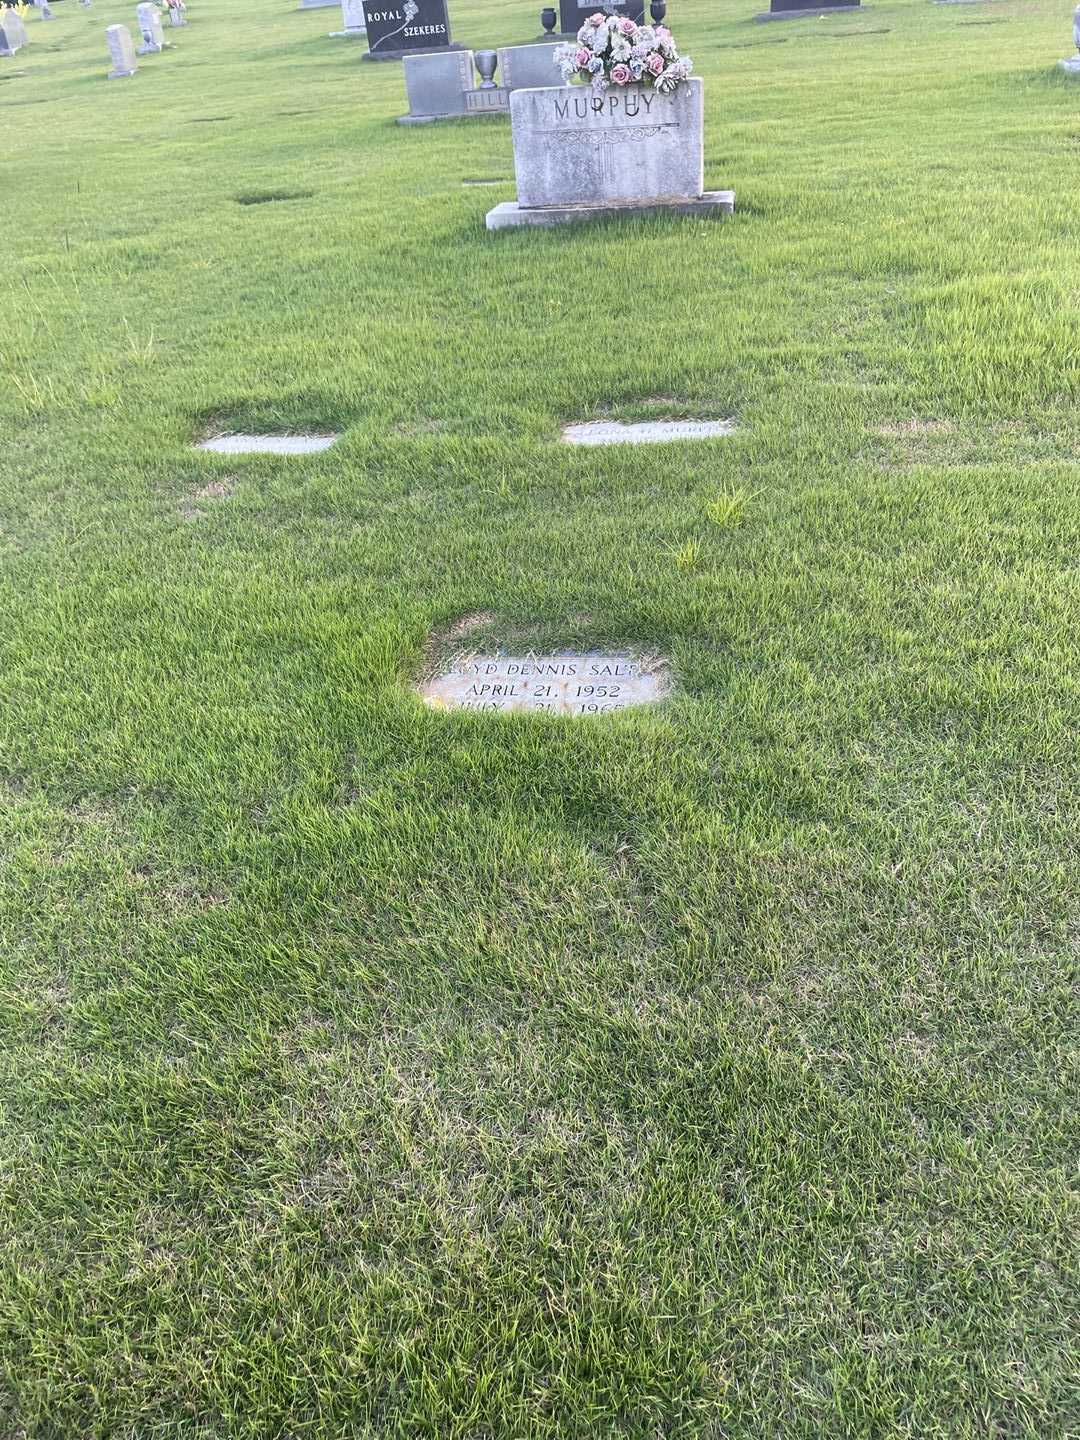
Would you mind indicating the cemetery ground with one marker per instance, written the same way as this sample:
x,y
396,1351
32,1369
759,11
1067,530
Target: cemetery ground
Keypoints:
x,y
702,1070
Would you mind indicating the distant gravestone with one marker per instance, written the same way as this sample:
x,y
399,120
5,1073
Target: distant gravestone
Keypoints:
x,y
524,67
794,9
352,18
316,4
121,51
436,85
1071,66
561,684
46,13
153,37
574,13
14,32
580,155
413,27
176,16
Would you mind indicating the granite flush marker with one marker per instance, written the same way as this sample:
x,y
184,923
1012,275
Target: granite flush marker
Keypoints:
x,y
575,684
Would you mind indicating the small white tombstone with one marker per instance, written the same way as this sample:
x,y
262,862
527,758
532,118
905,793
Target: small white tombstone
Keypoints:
x,y
14,32
352,18
176,16
153,37
1071,66
121,51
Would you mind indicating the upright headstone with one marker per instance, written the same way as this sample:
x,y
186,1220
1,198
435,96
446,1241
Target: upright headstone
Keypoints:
x,y
352,18
437,86
46,13
579,155
411,27
153,37
1071,66
793,9
121,51
526,67
15,35
176,15
574,13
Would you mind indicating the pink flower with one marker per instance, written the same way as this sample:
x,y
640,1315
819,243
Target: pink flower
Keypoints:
x,y
595,20
654,63
627,26
621,74
583,57
663,33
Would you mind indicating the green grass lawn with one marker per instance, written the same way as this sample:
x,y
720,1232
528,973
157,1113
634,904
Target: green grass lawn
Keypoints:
x,y
699,1071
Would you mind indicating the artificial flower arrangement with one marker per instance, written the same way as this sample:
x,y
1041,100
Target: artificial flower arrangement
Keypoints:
x,y
615,50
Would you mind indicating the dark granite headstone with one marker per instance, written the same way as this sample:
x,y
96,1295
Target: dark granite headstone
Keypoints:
x,y
396,28
780,9
574,13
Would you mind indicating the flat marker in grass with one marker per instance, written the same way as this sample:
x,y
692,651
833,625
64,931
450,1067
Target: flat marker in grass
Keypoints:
x,y
267,444
558,684
647,432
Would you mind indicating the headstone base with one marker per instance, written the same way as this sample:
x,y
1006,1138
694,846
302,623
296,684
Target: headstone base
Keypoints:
x,y
402,54
119,74
711,205
1071,66
454,115
808,12
149,49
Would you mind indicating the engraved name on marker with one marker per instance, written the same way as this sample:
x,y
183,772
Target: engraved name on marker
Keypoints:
x,y
576,684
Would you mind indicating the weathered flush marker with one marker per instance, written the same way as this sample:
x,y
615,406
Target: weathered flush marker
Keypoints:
x,y
559,684
649,432
267,444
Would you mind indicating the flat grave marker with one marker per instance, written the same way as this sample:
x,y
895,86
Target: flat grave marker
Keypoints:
x,y
647,432
584,683
267,444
